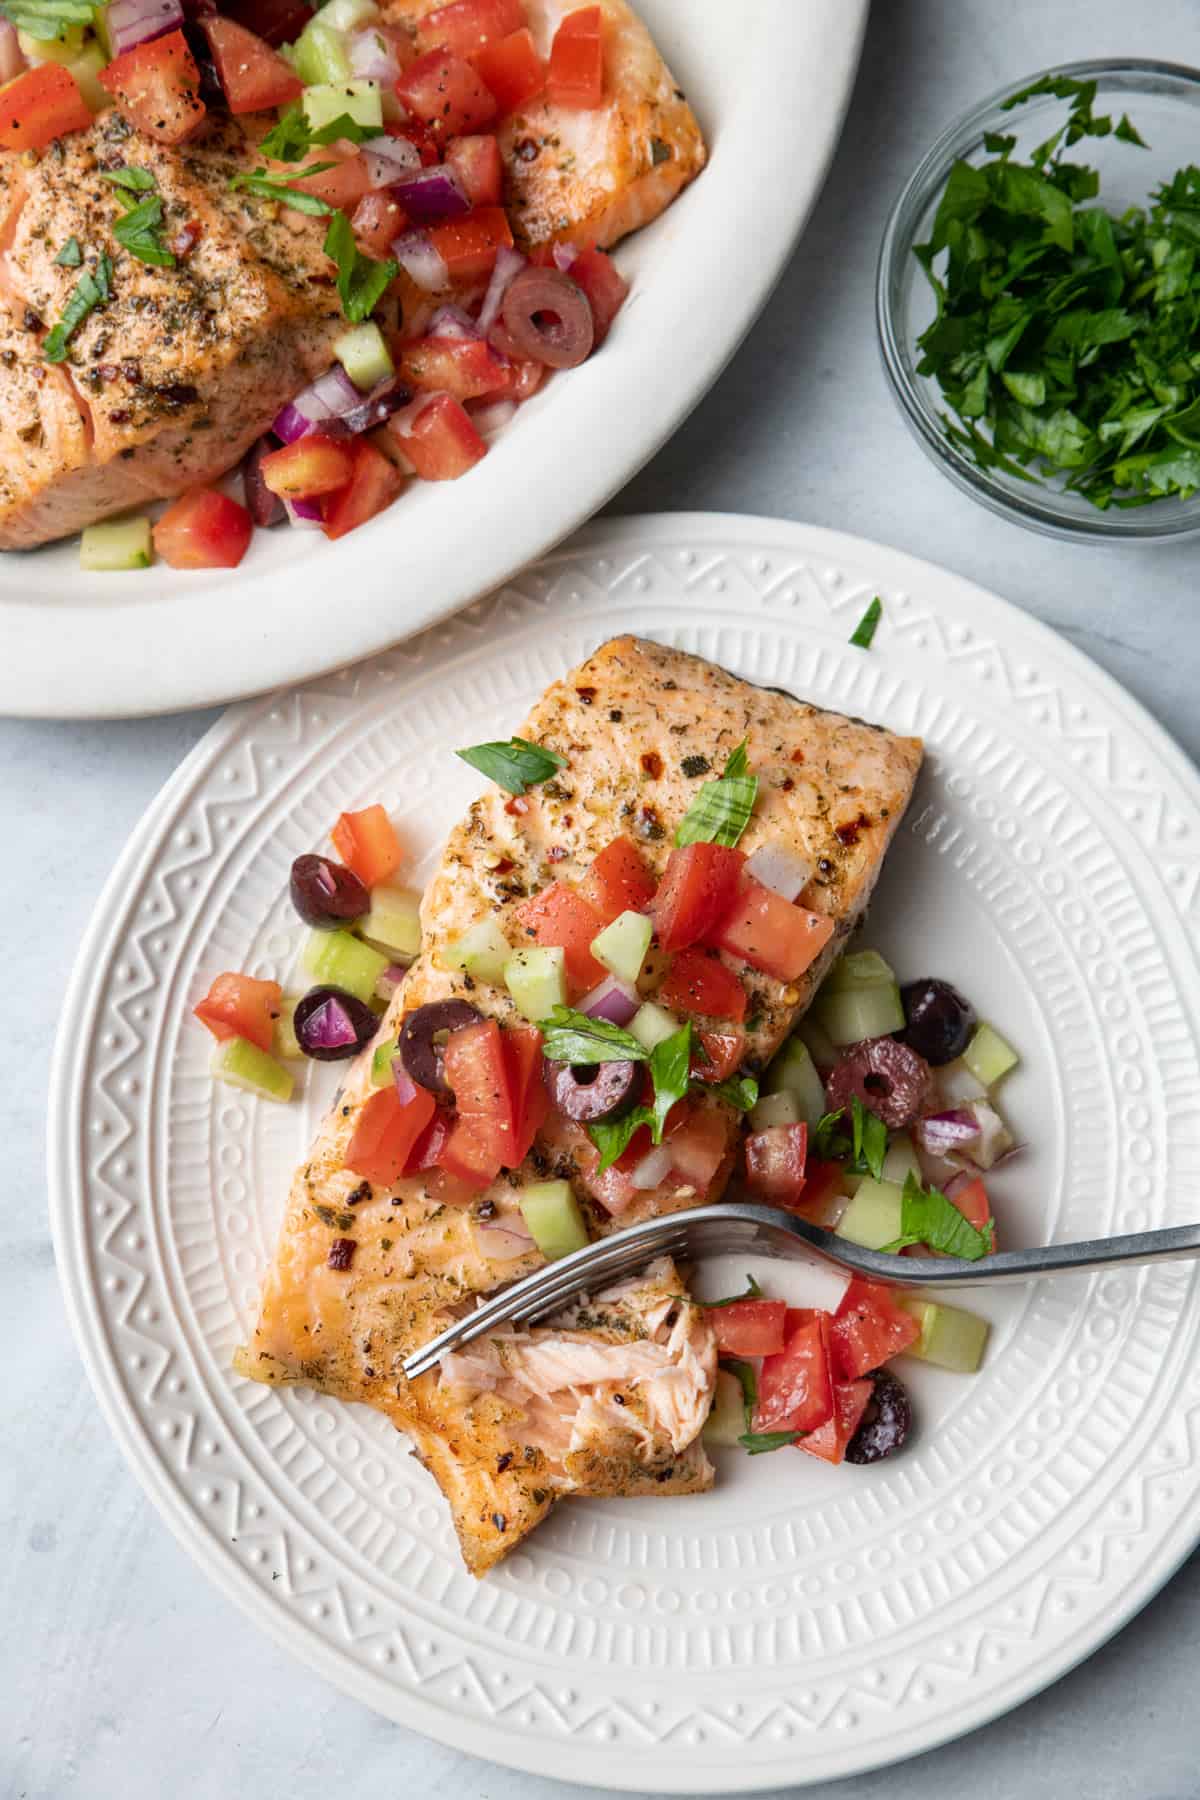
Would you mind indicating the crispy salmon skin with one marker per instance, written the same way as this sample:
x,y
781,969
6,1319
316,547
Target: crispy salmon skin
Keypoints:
x,y
641,726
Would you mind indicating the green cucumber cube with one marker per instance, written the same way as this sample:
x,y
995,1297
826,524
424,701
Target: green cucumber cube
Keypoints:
x,y
382,1058
622,946
727,1419
988,1056
59,50
858,969
873,1216
357,100
536,979
363,353
651,1024
959,1086
774,1109
393,925
818,1043
552,1214
244,1065
482,953
950,1337
852,1014
335,959
287,1044
794,1072
86,69
116,544
320,55
901,1161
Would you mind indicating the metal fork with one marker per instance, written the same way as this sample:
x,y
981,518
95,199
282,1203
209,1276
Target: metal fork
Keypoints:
x,y
744,1228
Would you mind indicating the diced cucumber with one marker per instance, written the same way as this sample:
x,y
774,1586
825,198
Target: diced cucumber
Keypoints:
x,y
244,1065
86,69
381,1062
358,100
622,946
393,925
774,1109
57,50
335,959
364,355
287,1044
988,1056
794,1072
901,1161
858,969
552,1214
481,952
852,1180
348,15
872,1218
950,1336
727,1419
818,1043
651,1024
958,1085
117,544
320,54
536,979
856,1013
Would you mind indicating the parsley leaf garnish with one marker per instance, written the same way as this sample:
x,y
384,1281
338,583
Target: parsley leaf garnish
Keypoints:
x,y
91,290
140,231
514,766
721,810
70,256
827,1141
866,1145
572,1037
927,1217
753,1292
740,1091
131,178
360,279
758,1443
864,631
47,20
293,137
267,187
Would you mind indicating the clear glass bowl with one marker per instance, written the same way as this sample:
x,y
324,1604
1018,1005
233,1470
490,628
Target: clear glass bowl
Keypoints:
x,y
1163,102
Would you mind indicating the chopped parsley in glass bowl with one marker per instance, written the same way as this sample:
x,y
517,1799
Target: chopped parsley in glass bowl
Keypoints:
x,y
1038,301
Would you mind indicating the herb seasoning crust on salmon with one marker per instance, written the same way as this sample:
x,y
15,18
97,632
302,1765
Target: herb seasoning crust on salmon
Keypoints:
x,y
611,1398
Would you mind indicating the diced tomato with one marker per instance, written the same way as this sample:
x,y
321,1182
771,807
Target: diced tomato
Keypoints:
x,y
387,1133
561,916
512,70
367,843
699,982
468,246
253,77
699,1145
527,1090
748,1327
377,222
868,1329
274,21
341,187
477,163
576,74
775,1161
824,1198
972,1202
771,934
463,367
795,1389
618,881
722,1053
446,94
464,26
156,87
850,1402
426,1153
310,467
373,486
203,530
698,887
470,1157
438,438
603,283
477,1070
39,106
419,136
240,1006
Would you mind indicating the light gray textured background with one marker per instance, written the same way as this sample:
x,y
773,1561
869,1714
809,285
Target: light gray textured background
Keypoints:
x,y
123,1675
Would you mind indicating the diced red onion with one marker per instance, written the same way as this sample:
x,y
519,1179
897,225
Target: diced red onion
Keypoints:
x,y
331,397
992,1137
780,869
305,513
452,322
373,56
947,1133
390,980
614,1000
415,253
564,256
330,1027
502,1240
406,1087
434,193
653,1169
389,159
12,61
133,22
373,409
509,262
488,420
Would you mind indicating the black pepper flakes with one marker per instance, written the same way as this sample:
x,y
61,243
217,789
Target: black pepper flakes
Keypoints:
x,y
503,1462
363,1191
694,766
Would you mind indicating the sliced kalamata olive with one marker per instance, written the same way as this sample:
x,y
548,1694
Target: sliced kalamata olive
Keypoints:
x,y
549,318
211,90
939,1021
419,1050
264,507
891,1080
331,1024
326,894
597,1091
885,1424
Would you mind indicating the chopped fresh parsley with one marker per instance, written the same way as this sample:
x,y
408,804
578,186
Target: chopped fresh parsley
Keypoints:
x,y
721,810
514,766
293,137
758,1443
47,20
140,232
864,1148
740,1091
864,631
70,256
753,1292
360,279
91,290
670,1062
572,1037
267,187
132,179
927,1217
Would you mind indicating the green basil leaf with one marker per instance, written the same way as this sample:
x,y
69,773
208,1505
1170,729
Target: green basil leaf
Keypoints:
x,y
515,766
928,1217
828,1142
572,1037
612,1137
291,138
758,1443
721,810
740,1091
267,187
360,279
864,631
90,291
140,232
47,20
870,1139
132,179
70,256
670,1065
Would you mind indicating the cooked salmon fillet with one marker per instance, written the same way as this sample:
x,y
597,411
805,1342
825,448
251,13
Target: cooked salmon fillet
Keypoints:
x,y
641,726
175,378
593,176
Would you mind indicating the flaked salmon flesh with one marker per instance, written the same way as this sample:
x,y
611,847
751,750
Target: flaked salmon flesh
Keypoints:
x,y
641,726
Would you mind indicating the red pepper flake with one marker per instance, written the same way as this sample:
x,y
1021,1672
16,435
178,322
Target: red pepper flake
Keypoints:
x,y
341,1252
556,854
517,806
787,784
652,763
848,834
586,694
186,239
504,866
797,756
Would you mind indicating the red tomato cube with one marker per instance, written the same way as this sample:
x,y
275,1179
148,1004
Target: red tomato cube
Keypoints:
x,y
698,888
771,934
366,842
850,1402
468,246
156,87
603,283
560,916
795,1389
341,187
373,486
377,222
512,70
253,77
748,1327
576,73
698,982
426,1153
203,530
972,1202
310,467
40,105
775,1161
446,95
868,1329
618,881
386,1134
477,1070
240,1006
722,1053
824,1198
438,438
463,367
527,1090
700,1144
465,26
477,163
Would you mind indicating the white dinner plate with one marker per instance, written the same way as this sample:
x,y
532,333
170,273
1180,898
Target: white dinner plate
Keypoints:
x,y
799,1622
769,83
